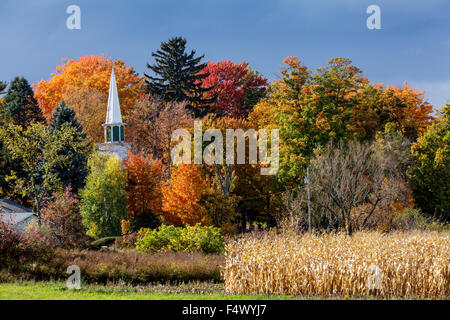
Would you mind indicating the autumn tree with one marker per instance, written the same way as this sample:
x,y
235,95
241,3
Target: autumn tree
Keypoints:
x,y
103,200
335,103
239,180
182,194
346,176
84,84
89,105
190,197
403,108
152,124
144,196
284,109
143,132
236,87
431,175
19,105
178,77
258,196
172,116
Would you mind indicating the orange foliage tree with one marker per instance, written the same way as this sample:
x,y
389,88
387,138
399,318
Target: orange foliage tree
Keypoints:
x,y
409,112
182,196
88,74
143,188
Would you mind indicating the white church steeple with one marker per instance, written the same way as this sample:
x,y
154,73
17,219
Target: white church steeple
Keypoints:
x,y
113,115
114,127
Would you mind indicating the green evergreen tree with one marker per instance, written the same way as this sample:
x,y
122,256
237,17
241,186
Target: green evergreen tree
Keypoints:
x,y
64,114
3,86
177,76
72,172
19,105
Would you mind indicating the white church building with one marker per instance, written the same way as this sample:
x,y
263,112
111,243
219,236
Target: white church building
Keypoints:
x,y
114,127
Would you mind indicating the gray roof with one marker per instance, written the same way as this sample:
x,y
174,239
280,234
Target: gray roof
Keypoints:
x,y
15,214
10,206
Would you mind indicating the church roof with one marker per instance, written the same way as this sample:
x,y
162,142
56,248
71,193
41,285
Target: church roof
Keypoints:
x,y
15,215
113,115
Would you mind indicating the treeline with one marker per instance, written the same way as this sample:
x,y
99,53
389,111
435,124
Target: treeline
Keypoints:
x,y
373,151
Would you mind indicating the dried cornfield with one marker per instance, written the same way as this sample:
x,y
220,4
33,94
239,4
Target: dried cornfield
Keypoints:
x,y
397,265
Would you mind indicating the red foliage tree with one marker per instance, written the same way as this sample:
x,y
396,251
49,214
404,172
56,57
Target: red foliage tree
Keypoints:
x,y
236,87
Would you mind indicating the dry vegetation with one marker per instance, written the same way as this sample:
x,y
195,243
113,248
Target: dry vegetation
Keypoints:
x,y
409,265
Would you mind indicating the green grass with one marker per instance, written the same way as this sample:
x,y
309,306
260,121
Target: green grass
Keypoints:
x,y
58,291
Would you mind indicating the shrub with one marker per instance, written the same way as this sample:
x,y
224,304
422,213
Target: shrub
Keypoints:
x,y
414,219
61,221
137,268
130,267
190,238
97,244
18,251
10,240
127,241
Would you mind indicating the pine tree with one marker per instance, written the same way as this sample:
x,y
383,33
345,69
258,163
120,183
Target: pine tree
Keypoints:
x,y
3,86
74,171
64,114
177,76
19,105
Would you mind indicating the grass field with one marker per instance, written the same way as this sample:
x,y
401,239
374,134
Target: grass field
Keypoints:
x,y
58,291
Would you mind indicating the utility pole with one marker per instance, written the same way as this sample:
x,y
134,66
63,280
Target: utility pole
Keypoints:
x,y
309,200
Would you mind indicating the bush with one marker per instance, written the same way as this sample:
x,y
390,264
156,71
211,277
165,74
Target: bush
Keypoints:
x,y
190,238
107,241
414,219
18,251
137,268
61,222
127,241
10,241
130,267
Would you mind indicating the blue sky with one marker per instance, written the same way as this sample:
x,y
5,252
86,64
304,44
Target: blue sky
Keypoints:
x,y
413,44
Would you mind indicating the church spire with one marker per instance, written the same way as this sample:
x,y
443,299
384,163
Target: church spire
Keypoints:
x,y
113,115
114,127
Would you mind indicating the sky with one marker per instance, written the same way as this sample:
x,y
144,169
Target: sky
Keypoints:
x,y
413,44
